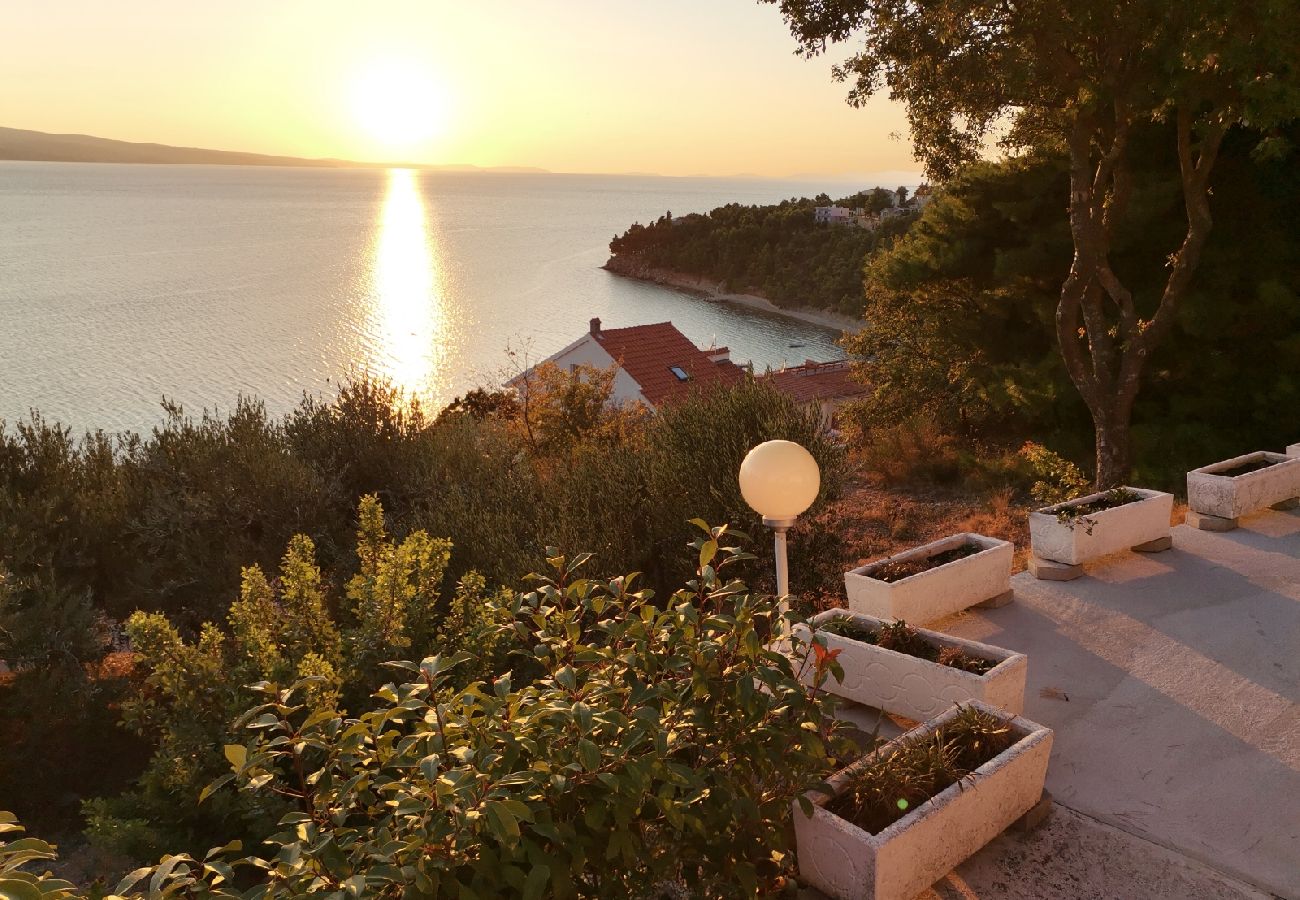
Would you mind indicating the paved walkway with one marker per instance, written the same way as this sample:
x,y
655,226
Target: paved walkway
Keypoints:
x,y
1173,683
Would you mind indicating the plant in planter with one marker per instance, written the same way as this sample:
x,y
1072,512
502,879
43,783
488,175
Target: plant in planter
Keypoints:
x,y
912,672
897,820
1066,535
1219,494
935,580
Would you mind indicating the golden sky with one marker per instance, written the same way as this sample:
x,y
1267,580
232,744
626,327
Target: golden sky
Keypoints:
x,y
677,87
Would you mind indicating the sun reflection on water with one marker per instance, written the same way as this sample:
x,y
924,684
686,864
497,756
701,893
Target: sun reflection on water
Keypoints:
x,y
408,317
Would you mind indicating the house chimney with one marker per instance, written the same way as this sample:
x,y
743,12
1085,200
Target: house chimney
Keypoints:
x,y
595,327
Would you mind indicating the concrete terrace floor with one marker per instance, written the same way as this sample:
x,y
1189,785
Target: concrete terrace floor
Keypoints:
x,y
1172,681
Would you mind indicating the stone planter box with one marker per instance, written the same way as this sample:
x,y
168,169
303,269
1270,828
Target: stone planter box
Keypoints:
x,y
912,687
1142,524
1228,497
842,860
983,577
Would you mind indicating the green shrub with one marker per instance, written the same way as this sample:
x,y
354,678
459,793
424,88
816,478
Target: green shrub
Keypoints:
x,y
660,747
693,452
1056,479
663,745
16,858
166,523
280,632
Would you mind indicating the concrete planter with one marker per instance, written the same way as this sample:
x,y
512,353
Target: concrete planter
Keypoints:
x,y
1228,497
842,860
984,577
1293,450
912,687
1143,524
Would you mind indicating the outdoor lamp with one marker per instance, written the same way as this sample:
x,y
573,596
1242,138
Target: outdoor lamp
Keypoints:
x,y
780,479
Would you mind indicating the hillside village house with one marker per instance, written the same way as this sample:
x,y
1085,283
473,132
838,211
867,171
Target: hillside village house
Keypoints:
x,y
840,215
657,364
835,215
827,385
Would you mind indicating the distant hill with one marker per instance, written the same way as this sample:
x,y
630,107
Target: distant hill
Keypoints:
x,y
38,146
777,252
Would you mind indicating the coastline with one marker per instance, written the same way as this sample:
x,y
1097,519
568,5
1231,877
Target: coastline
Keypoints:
x,y
712,292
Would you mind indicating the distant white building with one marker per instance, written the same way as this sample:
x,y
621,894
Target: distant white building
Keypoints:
x,y
922,197
834,215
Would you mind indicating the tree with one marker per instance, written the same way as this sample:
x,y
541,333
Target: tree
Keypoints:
x,y
1081,76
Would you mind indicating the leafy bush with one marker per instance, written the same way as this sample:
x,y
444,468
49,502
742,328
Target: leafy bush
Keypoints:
x,y
59,700
1056,479
16,858
661,745
165,524
278,632
693,452
908,451
659,748
561,411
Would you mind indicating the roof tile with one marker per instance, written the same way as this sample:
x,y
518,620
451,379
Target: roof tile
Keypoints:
x,y
648,353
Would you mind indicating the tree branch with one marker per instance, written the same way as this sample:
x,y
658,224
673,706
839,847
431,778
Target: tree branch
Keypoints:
x,y
1195,165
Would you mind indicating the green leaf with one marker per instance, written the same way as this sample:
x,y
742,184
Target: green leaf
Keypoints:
x,y
707,552
14,889
535,885
582,712
520,809
130,879
567,678
219,783
237,755
503,822
589,753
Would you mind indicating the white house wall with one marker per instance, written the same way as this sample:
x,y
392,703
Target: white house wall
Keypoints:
x,y
587,351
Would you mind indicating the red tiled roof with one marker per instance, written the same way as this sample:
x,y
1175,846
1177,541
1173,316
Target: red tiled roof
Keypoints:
x,y
648,353
817,381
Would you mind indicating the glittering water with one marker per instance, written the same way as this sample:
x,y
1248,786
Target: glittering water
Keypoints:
x,y
120,285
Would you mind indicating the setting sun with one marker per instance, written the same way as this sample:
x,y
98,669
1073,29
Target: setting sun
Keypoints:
x,y
399,104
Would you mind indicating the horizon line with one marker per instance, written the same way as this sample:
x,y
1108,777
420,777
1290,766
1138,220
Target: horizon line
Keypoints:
x,y
290,161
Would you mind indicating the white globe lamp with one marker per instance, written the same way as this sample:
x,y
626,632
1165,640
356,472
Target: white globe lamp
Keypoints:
x,y
780,479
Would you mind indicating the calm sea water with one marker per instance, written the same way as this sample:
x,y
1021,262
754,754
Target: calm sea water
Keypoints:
x,y
124,284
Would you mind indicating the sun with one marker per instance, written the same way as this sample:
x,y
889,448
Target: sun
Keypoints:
x,y
400,104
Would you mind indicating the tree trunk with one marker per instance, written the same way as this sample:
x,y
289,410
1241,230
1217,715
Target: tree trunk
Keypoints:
x,y
1114,450
1104,341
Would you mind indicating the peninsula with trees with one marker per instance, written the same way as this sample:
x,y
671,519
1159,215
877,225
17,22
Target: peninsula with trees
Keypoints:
x,y
798,254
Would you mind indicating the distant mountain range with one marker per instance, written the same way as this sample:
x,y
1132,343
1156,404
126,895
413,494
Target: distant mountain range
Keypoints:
x,y
38,146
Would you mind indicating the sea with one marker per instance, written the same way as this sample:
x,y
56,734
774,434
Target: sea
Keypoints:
x,y
124,285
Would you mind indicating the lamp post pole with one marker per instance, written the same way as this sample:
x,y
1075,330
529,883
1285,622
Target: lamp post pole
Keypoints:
x,y
779,528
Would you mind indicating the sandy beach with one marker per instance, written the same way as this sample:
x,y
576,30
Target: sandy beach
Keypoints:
x,y
711,291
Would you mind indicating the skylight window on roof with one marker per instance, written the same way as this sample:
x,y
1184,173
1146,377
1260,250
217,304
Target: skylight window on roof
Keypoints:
x,y
679,372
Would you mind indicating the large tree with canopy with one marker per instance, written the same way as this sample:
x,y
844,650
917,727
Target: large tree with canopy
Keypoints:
x,y
1082,76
